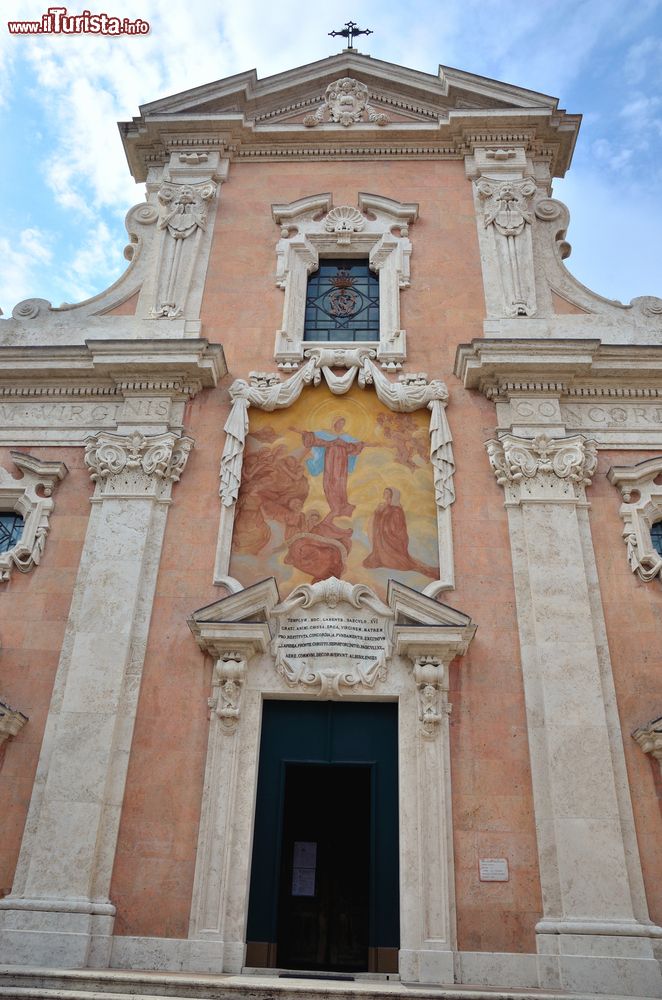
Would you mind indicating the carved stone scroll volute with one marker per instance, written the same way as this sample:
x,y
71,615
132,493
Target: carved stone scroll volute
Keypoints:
x,y
430,677
227,687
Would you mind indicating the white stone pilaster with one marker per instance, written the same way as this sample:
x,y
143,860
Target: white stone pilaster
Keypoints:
x,y
59,912
594,935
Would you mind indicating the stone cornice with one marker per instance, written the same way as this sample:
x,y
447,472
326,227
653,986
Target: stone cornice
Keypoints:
x,y
562,367
103,366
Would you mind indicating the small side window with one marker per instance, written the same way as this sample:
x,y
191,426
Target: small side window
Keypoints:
x,y
11,529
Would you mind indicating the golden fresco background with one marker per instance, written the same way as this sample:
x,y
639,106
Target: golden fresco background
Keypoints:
x,y
336,486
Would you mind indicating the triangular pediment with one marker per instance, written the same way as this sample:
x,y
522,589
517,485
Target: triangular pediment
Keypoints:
x,y
411,607
252,604
415,94
365,101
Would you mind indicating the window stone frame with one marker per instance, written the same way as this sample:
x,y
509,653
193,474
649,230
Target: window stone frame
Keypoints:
x,y
21,496
639,515
311,228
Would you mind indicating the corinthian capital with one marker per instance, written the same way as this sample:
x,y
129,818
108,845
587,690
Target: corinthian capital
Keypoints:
x,y
136,464
543,468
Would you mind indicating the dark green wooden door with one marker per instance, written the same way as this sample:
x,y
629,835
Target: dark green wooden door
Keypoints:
x,y
324,876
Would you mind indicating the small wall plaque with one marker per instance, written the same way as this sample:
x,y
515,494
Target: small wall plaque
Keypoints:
x,y
493,869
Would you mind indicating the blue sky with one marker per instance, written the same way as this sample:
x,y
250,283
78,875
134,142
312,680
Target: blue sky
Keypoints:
x,y
66,186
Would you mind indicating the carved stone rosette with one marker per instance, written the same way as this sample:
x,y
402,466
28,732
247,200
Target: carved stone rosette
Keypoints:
x,y
136,465
11,722
543,468
21,497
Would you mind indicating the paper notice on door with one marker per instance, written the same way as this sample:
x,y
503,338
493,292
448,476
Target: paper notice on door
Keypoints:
x,y
304,862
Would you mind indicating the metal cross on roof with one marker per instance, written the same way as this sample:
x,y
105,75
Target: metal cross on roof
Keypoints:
x,y
350,31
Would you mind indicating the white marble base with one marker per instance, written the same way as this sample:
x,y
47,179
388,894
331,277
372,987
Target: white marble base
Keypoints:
x,y
485,968
599,963
427,966
52,937
590,964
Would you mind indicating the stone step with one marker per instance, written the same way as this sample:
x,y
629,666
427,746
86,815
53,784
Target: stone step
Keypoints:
x,y
115,984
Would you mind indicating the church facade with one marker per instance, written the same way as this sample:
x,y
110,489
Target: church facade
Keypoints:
x,y
331,562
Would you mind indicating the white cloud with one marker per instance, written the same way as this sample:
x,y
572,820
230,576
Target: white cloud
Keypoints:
x,y
22,259
96,265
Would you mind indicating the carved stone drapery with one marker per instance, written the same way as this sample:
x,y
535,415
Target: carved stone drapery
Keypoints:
x,y
345,103
640,510
20,496
182,217
267,391
136,464
507,211
543,468
11,721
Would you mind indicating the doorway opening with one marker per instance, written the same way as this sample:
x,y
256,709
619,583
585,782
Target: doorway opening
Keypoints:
x,y
324,879
324,897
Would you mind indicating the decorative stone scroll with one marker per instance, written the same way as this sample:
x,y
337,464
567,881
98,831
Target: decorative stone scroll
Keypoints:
x,y
227,685
31,498
267,391
11,722
649,738
543,469
136,465
182,217
346,103
430,679
333,637
641,489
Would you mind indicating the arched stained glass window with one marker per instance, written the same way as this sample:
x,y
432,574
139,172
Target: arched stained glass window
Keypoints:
x,y
342,302
656,537
11,529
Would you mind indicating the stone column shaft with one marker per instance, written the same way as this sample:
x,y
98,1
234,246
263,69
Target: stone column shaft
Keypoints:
x,y
59,903
592,936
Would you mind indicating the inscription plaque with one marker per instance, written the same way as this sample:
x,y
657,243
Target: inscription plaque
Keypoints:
x,y
493,869
338,644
